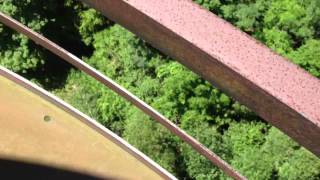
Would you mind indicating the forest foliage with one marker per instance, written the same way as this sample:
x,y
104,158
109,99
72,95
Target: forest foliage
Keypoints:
x,y
255,148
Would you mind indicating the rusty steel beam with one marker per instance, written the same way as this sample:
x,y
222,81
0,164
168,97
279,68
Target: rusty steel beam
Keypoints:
x,y
277,90
144,107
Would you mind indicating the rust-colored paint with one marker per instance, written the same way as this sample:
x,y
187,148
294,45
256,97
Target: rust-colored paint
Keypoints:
x,y
37,127
279,91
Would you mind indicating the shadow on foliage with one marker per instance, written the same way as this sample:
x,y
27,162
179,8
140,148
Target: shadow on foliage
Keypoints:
x,y
64,32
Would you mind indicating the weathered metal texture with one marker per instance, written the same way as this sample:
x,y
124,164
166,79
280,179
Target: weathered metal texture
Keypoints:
x,y
67,56
37,127
279,91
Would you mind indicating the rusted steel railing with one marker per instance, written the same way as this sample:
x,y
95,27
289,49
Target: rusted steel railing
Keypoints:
x,y
279,91
67,56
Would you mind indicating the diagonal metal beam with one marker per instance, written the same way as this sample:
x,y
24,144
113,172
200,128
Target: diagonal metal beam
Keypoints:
x,y
72,59
277,90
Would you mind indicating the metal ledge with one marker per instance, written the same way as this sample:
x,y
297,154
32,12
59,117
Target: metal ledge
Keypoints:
x,y
37,127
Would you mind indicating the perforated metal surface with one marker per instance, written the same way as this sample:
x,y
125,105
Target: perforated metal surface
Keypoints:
x,y
279,91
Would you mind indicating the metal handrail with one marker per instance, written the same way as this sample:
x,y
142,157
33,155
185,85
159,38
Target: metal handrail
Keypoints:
x,y
277,90
75,61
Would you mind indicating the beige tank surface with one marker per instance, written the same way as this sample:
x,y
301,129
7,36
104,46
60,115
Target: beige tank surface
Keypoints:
x,y
39,128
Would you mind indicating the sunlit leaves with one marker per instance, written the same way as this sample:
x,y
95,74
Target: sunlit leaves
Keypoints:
x,y
308,57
